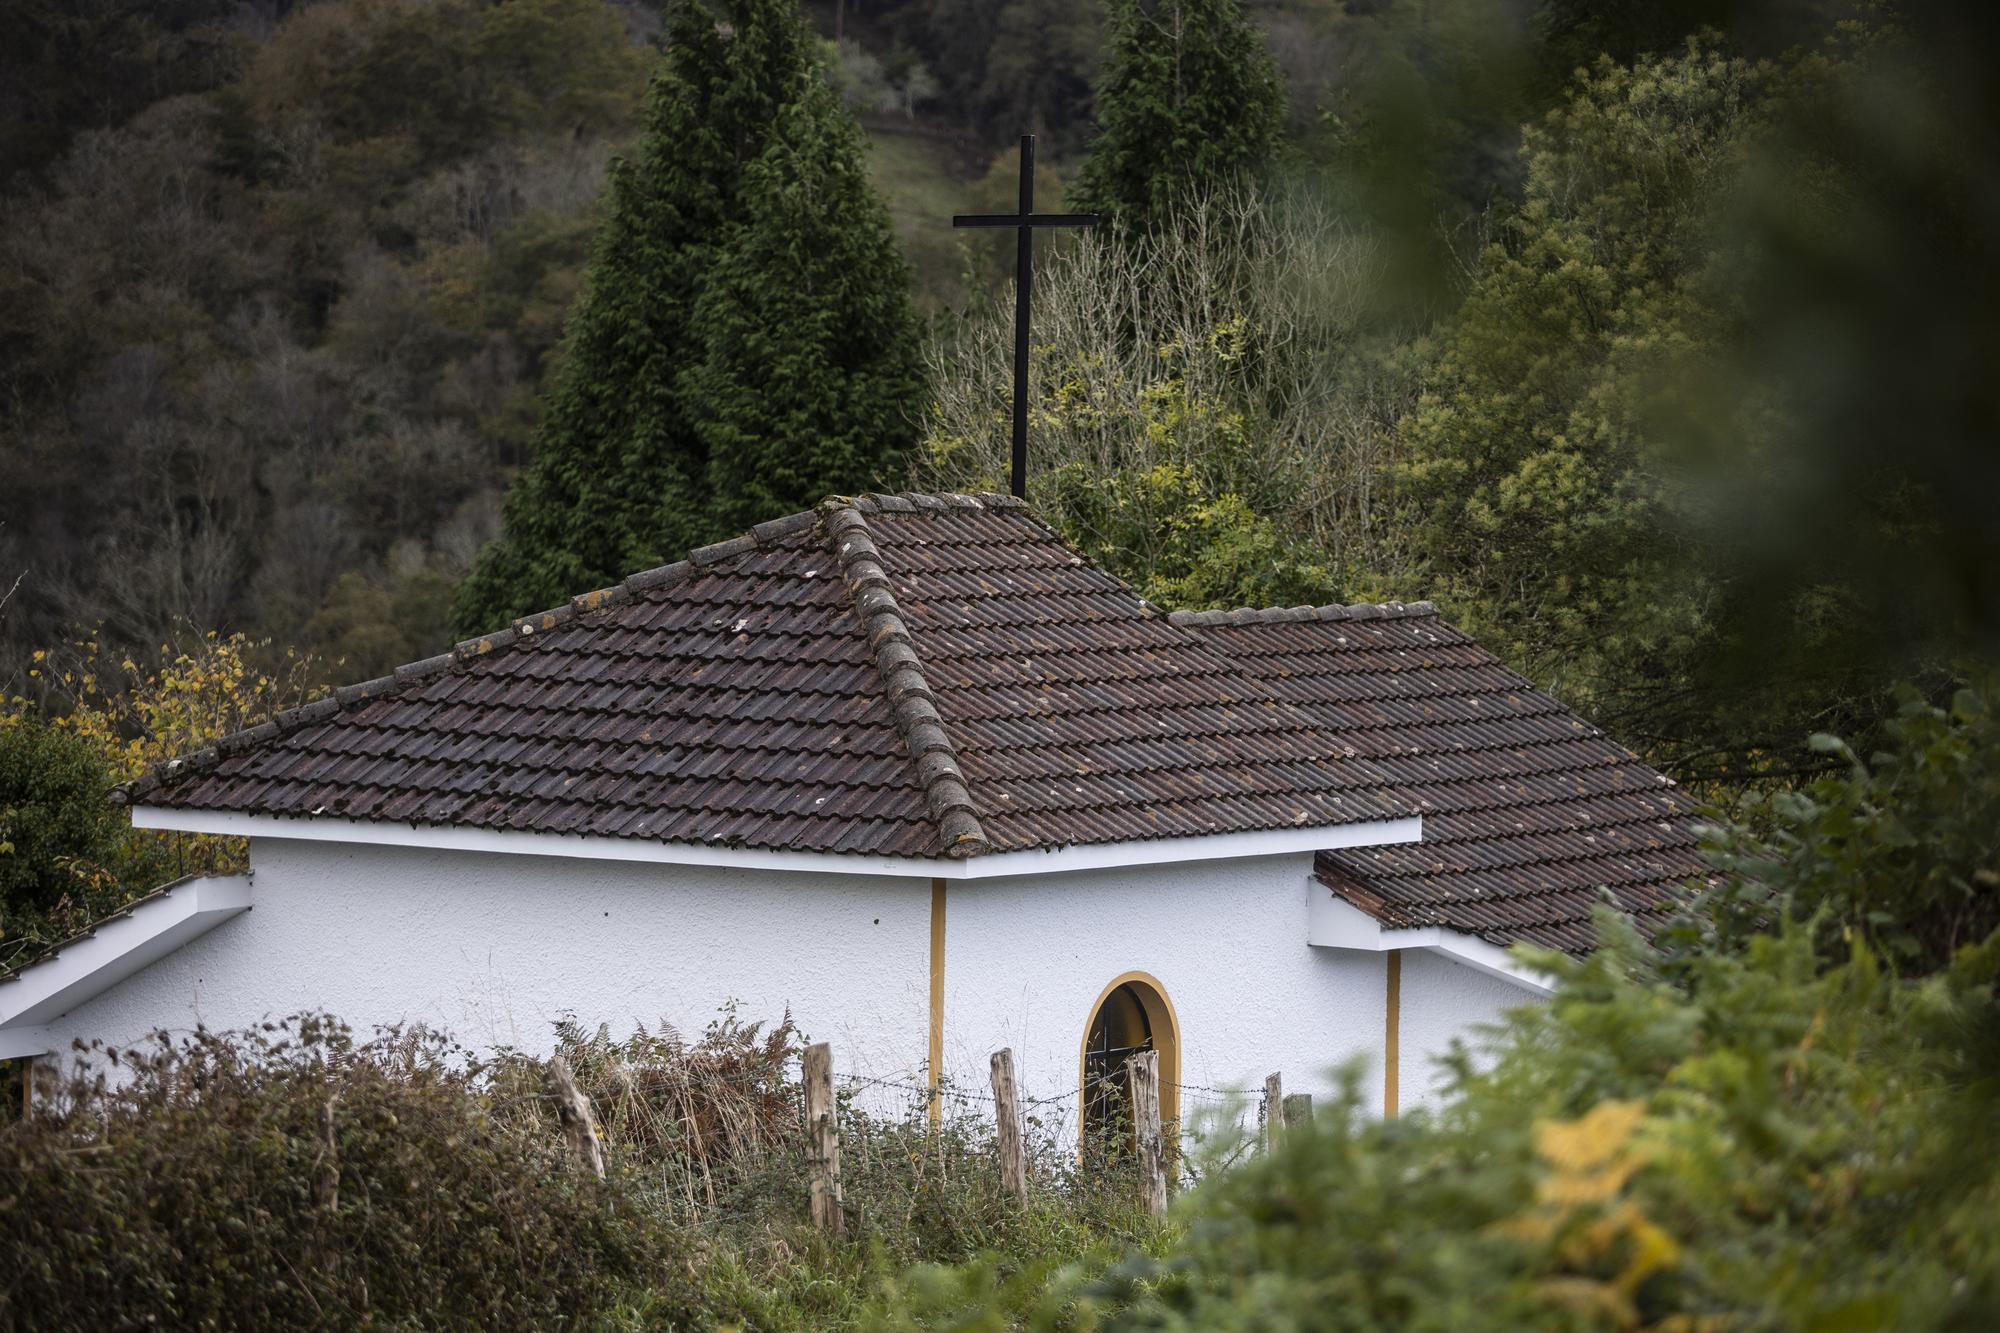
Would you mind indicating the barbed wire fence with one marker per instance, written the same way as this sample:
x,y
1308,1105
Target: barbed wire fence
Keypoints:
x,y
715,1133
720,1138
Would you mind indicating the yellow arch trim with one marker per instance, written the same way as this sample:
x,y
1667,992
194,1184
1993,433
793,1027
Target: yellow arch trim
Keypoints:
x,y
1166,1026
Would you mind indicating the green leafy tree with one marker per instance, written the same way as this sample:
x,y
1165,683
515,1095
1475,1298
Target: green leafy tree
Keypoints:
x,y
809,381
55,824
1539,496
1188,99
1673,459
746,342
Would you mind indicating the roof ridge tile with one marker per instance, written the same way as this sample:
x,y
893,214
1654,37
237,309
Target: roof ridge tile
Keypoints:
x,y
1247,615
717,552
928,502
911,700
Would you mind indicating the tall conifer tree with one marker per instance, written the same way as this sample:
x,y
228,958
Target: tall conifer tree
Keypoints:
x,y
1188,99
746,343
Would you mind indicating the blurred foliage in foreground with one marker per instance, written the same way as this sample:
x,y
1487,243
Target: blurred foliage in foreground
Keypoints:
x,y
1778,1130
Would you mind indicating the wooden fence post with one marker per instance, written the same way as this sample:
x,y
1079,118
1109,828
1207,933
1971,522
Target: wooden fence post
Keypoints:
x,y
1007,1105
1144,1070
573,1110
1274,1116
1298,1109
823,1130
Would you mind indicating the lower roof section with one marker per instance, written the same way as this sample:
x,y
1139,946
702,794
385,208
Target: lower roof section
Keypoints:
x,y
80,969
1091,856
1532,815
1334,923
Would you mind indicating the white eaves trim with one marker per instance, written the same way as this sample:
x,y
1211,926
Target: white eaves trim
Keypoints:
x,y
1095,856
115,950
1334,923
24,1043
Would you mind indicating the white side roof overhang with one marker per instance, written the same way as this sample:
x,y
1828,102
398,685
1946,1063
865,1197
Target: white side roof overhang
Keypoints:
x,y
1334,923
85,968
1093,856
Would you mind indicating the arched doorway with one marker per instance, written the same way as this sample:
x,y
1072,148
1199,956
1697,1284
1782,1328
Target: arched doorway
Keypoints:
x,y
1130,1015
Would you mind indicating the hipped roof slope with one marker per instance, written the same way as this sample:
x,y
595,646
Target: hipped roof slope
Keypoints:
x,y
897,675
1531,815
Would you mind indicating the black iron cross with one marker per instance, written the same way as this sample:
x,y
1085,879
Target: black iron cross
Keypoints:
x,y
1024,223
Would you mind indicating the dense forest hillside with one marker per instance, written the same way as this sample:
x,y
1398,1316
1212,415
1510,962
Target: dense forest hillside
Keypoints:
x,y
280,284
284,283
281,281
274,327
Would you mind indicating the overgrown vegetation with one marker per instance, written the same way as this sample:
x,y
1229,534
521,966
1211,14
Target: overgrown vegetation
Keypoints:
x,y
293,1176
1213,415
300,1176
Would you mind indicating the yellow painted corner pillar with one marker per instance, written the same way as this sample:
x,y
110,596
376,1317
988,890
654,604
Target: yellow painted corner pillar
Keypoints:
x,y
936,1051
1392,1033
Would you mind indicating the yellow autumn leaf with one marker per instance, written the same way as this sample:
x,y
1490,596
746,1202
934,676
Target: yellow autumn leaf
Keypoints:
x,y
1576,1189
1589,1299
1591,1141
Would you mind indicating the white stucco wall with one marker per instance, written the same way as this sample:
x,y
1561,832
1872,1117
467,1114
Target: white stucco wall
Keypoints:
x,y
1027,958
1442,999
494,948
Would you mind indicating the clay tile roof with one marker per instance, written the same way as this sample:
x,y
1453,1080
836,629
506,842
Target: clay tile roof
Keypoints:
x,y
901,675
1531,815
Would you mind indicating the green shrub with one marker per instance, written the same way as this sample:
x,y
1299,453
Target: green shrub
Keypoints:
x,y
1902,848
55,825
292,1176
1783,1146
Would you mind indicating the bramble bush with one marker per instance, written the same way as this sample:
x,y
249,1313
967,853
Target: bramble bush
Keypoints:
x,y
290,1177
294,1176
1211,410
